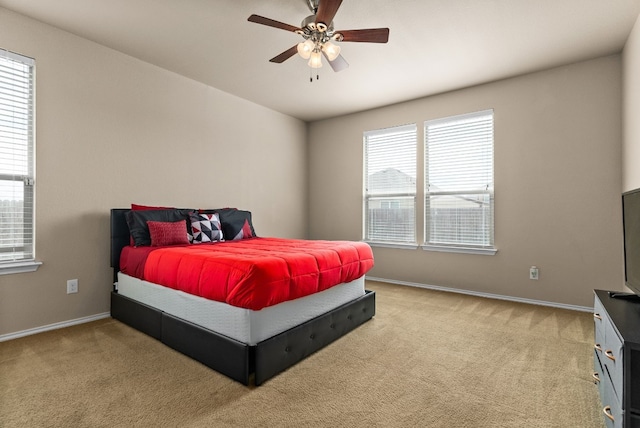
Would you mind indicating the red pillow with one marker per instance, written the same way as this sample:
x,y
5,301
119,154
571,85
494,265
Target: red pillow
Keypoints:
x,y
168,233
137,207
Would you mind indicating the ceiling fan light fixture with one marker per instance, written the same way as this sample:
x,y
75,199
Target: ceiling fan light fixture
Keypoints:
x,y
316,59
319,35
305,48
332,51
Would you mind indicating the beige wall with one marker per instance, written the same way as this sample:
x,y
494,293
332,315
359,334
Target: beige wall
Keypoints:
x,y
112,130
557,184
631,111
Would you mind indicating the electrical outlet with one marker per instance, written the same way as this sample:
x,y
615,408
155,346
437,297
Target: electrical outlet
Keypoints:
x,y
533,273
72,286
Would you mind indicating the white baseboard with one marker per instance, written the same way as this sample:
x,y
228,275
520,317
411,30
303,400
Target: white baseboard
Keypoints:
x,y
55,326
96,317
487,295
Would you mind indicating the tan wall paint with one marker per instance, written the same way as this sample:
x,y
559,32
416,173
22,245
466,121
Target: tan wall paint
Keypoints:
x,y
557,175
112,130
631,111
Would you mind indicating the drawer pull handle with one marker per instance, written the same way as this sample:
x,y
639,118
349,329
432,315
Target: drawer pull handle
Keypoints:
x,y
596,378
609,354
598,347
597,316
607,413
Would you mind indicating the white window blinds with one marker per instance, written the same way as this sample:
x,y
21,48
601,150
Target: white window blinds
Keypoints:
x,y
459,181
16,158
390,185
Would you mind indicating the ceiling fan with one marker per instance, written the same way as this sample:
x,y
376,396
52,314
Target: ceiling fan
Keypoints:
x,y
319,34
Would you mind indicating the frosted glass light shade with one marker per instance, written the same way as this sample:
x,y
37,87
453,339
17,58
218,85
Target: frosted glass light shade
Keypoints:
x,y
316,59
332,51
305,48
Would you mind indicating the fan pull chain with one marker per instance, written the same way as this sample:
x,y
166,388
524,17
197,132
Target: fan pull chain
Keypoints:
x,y
311,75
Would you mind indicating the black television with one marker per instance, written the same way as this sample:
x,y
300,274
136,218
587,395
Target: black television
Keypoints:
x,y
631,228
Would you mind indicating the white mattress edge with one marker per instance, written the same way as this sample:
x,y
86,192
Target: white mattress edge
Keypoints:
x,y
244,325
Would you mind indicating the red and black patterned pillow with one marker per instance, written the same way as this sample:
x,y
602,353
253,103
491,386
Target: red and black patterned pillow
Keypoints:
x,y
236,224
205,227
168,233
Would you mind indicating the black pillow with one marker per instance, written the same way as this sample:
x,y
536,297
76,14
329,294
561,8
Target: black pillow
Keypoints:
x,y
236,224
137,222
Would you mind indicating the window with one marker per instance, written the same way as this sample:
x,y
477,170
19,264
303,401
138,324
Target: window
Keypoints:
x,y
390,185
459,182
16,163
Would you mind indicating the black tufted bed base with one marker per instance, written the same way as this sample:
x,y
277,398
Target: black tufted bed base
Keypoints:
x,y
237,360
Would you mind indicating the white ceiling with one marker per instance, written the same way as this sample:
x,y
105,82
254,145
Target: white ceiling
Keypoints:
x,y
434,45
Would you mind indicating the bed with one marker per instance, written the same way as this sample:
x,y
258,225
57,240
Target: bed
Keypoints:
x,y
258,338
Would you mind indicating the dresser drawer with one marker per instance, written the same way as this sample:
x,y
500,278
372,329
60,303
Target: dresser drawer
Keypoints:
x,y
617,358
611,408
599,315
611,357
599,376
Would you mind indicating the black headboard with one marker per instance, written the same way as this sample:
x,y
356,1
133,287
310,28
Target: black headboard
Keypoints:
x,y
119,237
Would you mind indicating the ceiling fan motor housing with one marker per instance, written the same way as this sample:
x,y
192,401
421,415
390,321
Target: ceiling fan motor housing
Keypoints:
x,y
319,32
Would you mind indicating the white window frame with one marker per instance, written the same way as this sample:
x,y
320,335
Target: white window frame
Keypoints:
x,y
474,240
377,144
17,138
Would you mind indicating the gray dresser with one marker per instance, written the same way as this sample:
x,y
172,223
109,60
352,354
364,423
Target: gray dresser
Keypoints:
x,y
617,358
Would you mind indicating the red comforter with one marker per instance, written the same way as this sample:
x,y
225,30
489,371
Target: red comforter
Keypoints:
x,y
250,273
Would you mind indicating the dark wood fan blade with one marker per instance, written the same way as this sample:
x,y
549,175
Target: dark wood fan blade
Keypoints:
x,y
371,35
285,55
337,64
272,23
327,9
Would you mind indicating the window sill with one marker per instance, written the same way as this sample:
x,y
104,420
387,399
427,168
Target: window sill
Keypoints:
x,y
19,267
393,245
463,250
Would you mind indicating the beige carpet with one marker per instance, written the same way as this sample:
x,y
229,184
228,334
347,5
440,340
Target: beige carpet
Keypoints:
x,y
427,359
